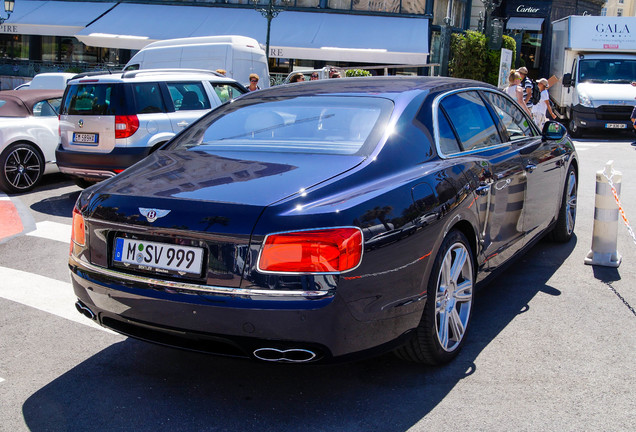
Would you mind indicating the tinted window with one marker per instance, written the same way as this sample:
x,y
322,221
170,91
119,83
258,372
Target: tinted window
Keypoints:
x,y
226,92
447,141
325,124
511,117
90,99
188,96
471,119
148,98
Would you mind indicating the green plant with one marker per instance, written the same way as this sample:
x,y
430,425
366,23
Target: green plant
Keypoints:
x,y
493,58
467,55
357,73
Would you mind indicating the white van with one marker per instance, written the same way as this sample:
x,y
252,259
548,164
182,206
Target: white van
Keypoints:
x,y
240,56
48,80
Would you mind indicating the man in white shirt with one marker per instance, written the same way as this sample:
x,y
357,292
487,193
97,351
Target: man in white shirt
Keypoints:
x,y
539,110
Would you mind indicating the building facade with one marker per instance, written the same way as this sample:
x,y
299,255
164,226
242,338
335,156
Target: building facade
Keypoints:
x,y
619,8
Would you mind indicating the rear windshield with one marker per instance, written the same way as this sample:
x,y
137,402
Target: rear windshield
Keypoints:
x,y
93,99
319,124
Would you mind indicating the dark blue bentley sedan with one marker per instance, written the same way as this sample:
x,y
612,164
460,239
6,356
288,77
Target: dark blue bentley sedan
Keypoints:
x,y
324,220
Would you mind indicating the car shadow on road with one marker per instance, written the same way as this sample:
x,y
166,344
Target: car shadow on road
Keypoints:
x,y
133,385
57,206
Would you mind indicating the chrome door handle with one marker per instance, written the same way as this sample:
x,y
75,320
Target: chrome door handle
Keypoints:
x,y
483,188
183,124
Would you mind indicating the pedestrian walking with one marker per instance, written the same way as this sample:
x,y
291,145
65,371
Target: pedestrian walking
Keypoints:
x,y
526,84
515,90
543,108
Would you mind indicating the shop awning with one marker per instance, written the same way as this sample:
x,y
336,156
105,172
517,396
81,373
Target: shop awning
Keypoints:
x,y
303,35
52,18
524,23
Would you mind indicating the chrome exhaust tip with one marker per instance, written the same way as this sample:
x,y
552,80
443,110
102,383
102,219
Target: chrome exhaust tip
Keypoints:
x,y
85,310
293,355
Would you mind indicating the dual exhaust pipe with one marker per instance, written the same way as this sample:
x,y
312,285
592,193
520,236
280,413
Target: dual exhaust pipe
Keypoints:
x,y
293,355
85,310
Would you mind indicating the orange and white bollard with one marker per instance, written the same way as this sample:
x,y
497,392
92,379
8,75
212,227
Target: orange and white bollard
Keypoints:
x,y
604,237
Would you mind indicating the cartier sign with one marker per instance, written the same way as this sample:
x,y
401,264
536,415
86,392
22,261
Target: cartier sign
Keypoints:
x,y
527,9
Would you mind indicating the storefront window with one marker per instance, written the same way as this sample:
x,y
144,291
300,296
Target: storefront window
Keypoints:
x,y
531,51
414,6
377,5
339,4
456,16
15,47
49,48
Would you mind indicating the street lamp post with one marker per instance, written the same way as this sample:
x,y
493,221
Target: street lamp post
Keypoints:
x,y
490,6
8,8
269,12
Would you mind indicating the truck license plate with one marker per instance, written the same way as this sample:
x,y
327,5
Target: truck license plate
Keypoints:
x,y
615,126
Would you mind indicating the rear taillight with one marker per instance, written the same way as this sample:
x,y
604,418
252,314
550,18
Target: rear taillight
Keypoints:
x,y
126,126
319,251
78,233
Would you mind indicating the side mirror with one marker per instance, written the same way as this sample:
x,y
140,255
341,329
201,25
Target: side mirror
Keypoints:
x,y
567,80
553,130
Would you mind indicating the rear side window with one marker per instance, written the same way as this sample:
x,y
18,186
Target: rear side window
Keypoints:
x,y
227,92
473,123
92,99
47,108
148,98
188,96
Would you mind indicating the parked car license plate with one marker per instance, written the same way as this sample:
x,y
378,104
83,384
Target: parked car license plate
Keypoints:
x,y
159,257
615,126
85,138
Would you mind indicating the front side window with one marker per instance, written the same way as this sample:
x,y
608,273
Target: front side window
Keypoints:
x,y
188,96
510,116
324,124
471,120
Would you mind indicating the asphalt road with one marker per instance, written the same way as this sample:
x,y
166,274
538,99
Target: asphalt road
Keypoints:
x,y
552,347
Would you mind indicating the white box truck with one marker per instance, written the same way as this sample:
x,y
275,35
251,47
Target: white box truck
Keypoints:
x,y
595,59
240,56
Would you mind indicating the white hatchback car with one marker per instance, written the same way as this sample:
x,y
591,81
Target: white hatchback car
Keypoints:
x,y
28,137
109,122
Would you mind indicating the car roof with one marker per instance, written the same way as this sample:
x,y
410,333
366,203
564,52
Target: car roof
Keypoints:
x,y
154,75
19,103
391,87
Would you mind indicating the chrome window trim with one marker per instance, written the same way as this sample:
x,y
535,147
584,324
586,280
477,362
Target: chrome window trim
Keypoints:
x,y
436,110
184,286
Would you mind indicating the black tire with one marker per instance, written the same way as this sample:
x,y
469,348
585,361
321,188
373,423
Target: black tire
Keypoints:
x,y
441,332
575,131
564,228
21,168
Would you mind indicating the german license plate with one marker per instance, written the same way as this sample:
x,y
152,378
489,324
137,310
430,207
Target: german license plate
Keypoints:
x,y
85,138
615,126
159,257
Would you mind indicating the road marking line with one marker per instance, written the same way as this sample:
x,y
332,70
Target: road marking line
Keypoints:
x,y
1,379
43,293
52,231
